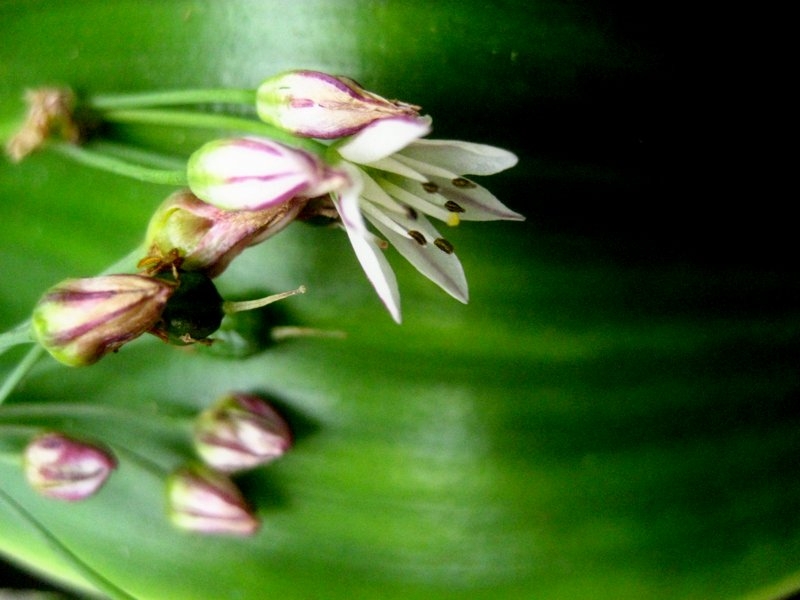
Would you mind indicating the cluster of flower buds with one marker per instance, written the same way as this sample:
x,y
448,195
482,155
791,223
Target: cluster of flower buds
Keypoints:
x,y
359,158
239,432
372,168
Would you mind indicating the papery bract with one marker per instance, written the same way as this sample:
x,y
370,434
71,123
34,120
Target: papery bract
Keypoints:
x,y
60,467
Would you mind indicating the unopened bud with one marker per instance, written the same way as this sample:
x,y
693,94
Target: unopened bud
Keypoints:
x,y
79,321
258,174
318,105
60,467
206,501
208,238
240,431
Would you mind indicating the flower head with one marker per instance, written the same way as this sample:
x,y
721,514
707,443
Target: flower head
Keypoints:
x,y
208,238
402,180
318,105
258,174
63,468
206,501
79,321
240,431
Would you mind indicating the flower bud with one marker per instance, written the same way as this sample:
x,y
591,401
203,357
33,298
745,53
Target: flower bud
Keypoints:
x,y
208,238
79,321
240,431
318,105
258,174
60,467
206,501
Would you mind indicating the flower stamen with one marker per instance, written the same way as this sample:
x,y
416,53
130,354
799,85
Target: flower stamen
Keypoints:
x,y
443,245
461,182
454,207
230,307
417,237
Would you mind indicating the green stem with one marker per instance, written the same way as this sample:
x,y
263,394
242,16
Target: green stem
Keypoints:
x,y
22,368
185,118
104,162
173,98
15,337
169,418
81,567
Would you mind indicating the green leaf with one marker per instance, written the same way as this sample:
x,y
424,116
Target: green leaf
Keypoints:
x,y
607,418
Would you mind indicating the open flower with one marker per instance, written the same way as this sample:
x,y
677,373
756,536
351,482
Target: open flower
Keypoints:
x,y
401,179
318,105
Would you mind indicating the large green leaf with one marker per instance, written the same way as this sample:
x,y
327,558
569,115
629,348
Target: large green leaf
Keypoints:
x,y
606,419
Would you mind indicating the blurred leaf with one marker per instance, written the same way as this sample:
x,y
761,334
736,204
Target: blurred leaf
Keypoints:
x,y
606,419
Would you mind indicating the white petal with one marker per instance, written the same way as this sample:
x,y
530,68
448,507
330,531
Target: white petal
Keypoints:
x,y
375,194
390,164
409,193
371,257
383,138
254,194
479,204
463,158
442,268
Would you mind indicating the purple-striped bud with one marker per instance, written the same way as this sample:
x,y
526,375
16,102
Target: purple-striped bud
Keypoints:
x,y
208,238
258,174
318,105
240,431
79,321
63,468
206,501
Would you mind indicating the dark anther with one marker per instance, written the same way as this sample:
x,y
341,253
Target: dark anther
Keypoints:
x,y
430,187
453,206
460,182
417,237
443,245
411,213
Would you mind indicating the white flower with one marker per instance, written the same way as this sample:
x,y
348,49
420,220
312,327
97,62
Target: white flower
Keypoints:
x,y
398,179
